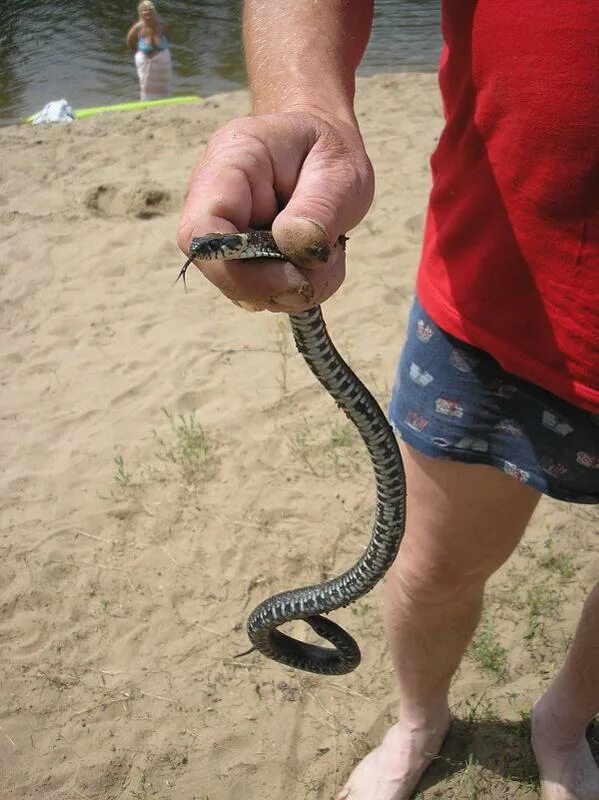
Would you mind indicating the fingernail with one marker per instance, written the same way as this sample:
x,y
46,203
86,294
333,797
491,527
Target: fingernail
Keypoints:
x,y
304,241
320,249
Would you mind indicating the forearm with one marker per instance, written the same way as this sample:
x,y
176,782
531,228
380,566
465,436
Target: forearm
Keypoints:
x,y
304,53
304,174
132,37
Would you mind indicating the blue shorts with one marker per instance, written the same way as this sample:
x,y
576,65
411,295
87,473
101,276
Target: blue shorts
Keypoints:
x,y
451,400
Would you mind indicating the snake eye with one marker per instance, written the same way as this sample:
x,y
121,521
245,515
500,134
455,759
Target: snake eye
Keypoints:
x,y
198,245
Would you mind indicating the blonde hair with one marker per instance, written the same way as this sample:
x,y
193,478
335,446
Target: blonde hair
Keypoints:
x,y
146,4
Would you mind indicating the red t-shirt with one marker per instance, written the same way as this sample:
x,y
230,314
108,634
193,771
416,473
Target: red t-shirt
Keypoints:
x,y
510,259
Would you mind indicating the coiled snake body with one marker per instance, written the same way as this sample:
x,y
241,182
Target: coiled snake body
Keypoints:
x,y
311,602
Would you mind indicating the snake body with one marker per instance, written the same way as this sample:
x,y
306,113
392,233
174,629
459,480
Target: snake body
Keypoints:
x,y
350,394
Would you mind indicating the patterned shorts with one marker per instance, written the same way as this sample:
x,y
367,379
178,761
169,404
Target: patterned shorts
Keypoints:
x,y
453,401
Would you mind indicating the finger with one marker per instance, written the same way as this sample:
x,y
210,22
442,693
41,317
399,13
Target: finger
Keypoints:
x,y
231,188
251,307
324,282
275,285
257,281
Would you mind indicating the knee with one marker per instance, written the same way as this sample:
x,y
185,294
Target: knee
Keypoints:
x,y
434,581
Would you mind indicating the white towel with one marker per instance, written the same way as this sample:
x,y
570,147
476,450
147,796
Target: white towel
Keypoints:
x,y
56,111
154,73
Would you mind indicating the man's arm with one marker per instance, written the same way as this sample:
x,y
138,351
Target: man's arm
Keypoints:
x,y
304,54
298,164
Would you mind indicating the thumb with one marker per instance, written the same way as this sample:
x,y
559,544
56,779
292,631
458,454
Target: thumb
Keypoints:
x,y
304,241
332,194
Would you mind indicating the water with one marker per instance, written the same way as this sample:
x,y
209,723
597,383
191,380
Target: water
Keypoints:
x,y
76,49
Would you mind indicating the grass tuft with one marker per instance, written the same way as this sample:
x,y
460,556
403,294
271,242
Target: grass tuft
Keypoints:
x,y
187,447
561,564
336,449
285,350
488,652
121,476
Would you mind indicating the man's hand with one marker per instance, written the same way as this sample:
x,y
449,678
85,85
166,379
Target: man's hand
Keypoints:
x,y
305,174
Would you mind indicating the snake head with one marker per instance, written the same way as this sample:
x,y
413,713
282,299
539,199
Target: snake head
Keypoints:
x,y
213,245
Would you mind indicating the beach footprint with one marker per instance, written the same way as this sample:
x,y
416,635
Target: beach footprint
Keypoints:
x,y
144,201
101,199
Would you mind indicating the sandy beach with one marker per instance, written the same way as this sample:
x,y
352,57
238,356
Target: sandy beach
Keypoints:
x,y
169,461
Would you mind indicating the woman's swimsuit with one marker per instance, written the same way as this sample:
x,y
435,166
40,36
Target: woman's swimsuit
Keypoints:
x,y
149,47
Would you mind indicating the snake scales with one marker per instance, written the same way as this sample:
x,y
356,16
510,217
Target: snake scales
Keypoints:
x,y
311,602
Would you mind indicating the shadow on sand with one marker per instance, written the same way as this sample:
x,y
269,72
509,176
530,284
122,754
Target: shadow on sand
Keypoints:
x,y
498,746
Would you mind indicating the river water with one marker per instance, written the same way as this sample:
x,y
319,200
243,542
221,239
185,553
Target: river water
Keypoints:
x,y
76,50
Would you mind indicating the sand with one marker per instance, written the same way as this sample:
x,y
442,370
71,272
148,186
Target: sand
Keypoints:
x,y
168,462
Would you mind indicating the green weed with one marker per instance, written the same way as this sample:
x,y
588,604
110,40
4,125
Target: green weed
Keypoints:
x,y
187,447
468,780
302,446
123,478
488,652
477,710
559,563
542,602
339,450
284,348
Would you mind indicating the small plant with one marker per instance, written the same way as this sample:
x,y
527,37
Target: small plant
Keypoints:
x,y
302,444
486,651
284,349
525,719
121,476
339,448
188,446
468,788
341,435
542,602
477,710
560,563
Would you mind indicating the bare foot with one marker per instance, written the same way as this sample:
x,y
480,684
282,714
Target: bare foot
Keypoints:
x,y
393,770
567,769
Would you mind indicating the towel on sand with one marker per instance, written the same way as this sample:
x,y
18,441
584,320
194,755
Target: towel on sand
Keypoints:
x,y
55,111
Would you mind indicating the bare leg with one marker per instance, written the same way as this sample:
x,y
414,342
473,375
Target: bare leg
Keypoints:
x,y
463,523
560,718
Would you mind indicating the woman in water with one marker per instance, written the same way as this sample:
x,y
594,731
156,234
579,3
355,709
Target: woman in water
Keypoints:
x,y
149,38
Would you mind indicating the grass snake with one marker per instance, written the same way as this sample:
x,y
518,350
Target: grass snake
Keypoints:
x,y
311,602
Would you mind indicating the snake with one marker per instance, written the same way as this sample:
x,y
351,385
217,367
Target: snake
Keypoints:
x,y
311,603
